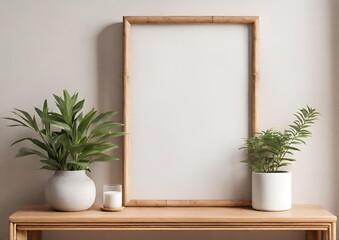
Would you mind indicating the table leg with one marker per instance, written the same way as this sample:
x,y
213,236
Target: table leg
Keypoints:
x,y
333,231
330,234
11,231
21,235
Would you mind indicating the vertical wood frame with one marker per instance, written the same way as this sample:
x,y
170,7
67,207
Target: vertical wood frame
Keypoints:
x,y
253,21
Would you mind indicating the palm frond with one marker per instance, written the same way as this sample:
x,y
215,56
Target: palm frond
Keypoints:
x,y
267,150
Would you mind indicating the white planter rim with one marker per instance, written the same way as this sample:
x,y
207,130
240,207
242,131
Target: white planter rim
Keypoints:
x,y
279,172
69,172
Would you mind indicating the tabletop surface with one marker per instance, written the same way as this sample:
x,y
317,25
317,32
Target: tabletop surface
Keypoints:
x,y
298,213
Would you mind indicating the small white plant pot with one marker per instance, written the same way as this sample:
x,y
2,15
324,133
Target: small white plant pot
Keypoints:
x,y
70,191
271,191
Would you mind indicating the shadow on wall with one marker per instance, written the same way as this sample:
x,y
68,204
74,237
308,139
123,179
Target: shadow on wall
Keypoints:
x,y
21,181
335,98
110,89
110,95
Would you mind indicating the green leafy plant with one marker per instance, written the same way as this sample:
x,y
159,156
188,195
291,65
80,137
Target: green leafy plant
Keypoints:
x,y
68,139
270,150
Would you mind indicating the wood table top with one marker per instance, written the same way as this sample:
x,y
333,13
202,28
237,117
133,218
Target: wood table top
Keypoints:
x,y
298,213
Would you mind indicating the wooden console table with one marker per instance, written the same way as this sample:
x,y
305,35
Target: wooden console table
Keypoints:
x,y
315,220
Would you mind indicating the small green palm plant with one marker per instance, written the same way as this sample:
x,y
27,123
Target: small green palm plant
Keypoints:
x,y
270,150
68,140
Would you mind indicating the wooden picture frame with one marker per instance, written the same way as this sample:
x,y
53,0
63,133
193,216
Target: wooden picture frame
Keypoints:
x,y
253,77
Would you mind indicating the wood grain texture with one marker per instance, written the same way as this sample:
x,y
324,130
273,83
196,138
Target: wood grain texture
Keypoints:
x,y
11,231
21,235
188,203
253,96
14,233
126,108
182,215
189,19
316,221
254,92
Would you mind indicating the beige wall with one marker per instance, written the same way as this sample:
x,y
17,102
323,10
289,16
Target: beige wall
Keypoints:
x,y
47,46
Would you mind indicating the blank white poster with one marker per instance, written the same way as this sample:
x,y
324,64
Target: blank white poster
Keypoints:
x,y
189,111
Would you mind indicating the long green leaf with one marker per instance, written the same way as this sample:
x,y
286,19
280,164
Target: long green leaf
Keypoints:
x,y
28,151
52,163
82,165
18,121
77,107
105,159
102,129
47,167
61,125
86,122
103,117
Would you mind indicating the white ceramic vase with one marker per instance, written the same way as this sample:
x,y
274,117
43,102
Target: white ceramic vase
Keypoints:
x,y
70,191
271,191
